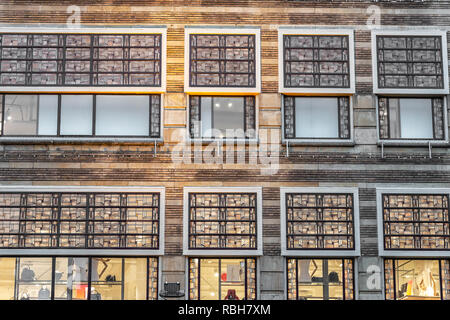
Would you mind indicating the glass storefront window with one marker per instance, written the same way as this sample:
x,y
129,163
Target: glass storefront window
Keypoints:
x,y
320,279
78,278
416,279
222,279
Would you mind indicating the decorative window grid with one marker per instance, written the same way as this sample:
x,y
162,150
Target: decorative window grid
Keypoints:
x,y
80,60
390,281
222,221
416,221
437,116
154,113
222,60
343,117
316,61
348,282
79,220
195,117
410,62
195,274
319,221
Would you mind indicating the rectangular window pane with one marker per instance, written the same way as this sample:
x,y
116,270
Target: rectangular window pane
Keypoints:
x,y
7,274
118,115
209,279
417,279
35,282
71,278
416,119
76,115
206,116
48,115
20,114
228,114
316,117
106,279
135,279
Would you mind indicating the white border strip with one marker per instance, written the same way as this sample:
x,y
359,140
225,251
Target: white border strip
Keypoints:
x,y
225,30
320,253
316,31
91,252
419,32
380,224
222,252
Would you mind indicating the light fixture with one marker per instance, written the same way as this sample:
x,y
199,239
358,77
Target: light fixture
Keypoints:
x,y
212,294
8,115
230,105
217,105
216,274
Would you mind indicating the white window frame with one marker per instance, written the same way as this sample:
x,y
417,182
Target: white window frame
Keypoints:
x,y
399,253
413,142
91,251
222,90
320,141
162,30
223,252
285,30
410,32
320,253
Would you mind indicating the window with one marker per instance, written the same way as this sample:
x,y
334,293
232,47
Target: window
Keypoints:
x,y
410,62
411,118
319,222
80,220
316,61
416,221
413,279
222,60
78,278
317,117
61,59
81,115
222,279
222,117
222,221
320,279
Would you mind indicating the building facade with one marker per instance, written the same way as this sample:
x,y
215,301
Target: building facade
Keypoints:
x,y
243,149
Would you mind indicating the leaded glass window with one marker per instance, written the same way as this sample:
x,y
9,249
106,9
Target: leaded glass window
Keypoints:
x,y
316,61
411,118
317,117
80,60
416,221
222,221
222,60
79,220
320,279
319,221
222,117
410,62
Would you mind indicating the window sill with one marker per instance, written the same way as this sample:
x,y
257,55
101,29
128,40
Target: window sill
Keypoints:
x,y
319,142
223,141
222,252
79,140
320,253
413,143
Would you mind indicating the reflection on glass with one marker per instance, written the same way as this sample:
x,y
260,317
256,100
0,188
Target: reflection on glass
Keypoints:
x,y
48,114
7,273
135,279
316,117
417,279
76,115
221,113
106,279
320,279
35,278
71,278
118,115
20,114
